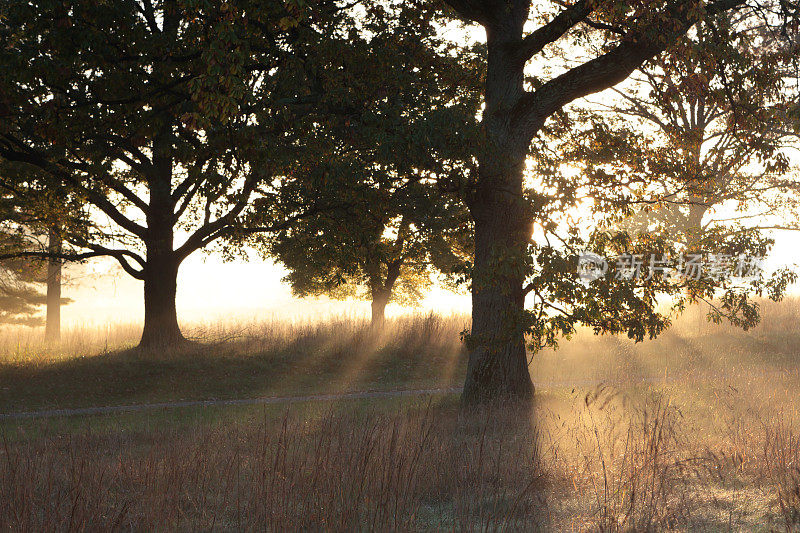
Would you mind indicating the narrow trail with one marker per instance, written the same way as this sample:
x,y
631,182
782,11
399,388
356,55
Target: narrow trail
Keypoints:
x,y
266,400
351,395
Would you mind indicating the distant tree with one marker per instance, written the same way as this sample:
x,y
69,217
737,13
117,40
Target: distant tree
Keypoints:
x,y
409,117
694,152
52,327
164,118
387,250
709,126
20,296
21,278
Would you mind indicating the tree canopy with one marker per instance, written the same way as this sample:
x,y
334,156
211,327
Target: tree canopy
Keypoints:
x,y
396,154
164,118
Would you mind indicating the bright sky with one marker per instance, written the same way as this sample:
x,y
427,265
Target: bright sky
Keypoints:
x,y
210,290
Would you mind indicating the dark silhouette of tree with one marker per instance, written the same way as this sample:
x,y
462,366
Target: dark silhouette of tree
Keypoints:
x,y
164,118
406,130
610,40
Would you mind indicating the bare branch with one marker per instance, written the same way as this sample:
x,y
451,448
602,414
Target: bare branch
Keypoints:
x,y
606,70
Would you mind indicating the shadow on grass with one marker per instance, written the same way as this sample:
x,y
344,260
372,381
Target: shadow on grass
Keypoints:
x,y
322,359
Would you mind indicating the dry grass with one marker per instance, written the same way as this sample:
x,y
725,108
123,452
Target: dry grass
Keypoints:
x,y
238,361
414,470
695,431
615,464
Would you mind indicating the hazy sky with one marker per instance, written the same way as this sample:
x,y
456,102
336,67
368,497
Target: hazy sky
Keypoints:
x,y
212,290
209,290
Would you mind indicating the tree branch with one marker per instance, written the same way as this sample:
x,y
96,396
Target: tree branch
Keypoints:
x,y
534,42
25,154
606,70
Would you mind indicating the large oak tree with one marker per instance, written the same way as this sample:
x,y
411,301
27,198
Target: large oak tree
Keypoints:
x,y
614,39
163,117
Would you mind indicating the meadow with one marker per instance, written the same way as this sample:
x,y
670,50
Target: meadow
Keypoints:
x,y
697,429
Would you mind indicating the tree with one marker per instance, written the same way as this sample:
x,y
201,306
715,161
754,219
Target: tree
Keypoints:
x,y
20,298
26,231
162,117
627,34
387,249
409,117
707,127
695,149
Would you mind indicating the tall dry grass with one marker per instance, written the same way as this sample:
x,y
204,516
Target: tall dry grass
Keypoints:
x,y
411,332
418,470
614,464
695,431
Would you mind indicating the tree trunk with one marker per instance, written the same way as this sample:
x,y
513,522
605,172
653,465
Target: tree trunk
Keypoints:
x,y
52,328
379,302
498,366
160,314
382,290
160,272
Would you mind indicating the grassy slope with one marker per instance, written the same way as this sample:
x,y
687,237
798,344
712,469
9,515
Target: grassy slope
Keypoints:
x,y
419,352
706,441
422,353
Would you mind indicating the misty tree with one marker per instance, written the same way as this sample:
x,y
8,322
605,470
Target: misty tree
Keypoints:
x,y
609,41
694,152
394,138
385,248
163,117
701,137
21,297
24,230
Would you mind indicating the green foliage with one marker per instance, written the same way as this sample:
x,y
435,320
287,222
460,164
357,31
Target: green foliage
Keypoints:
x,y
701,126
394,127
150,116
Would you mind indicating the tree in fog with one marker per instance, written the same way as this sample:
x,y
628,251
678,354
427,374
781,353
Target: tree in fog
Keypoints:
x,y
709,127
603,43
697,149
387,247
393,140
26,231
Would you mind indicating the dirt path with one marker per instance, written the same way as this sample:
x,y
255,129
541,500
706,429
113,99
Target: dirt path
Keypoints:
x,y
269,400
353,395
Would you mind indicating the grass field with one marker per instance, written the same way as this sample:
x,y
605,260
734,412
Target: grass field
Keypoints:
x,y
695,430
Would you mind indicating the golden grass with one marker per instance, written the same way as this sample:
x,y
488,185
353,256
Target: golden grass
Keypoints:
x,y
697,430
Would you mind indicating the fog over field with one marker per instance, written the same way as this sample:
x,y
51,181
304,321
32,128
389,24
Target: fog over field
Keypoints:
x,y
400,265
253,290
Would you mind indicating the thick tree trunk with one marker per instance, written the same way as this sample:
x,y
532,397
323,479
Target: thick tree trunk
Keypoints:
x,y
160,273
379,302
52,328
160,314
498,367
694,220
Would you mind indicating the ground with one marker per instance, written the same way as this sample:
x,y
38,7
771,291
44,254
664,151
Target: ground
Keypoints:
x,y
695,430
